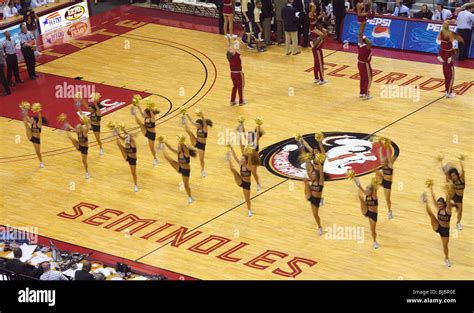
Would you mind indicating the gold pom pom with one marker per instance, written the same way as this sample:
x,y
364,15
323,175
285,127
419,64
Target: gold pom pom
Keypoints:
x,y
181,139
386,142
183,111
228,145
111,125
121,126
448,188
439,158
320,158
25,105
84,118
374,182
462,157
319,136
198,112
298,137
350,174
36,107
95,96
306,156
429,183
241,119
248,150
136,100
258,121
149,104
61,117
78,95
376,139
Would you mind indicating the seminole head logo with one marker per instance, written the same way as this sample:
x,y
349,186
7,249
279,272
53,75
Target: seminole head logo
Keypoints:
x,y
343,151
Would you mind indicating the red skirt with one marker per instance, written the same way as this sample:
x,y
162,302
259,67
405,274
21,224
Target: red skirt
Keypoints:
x,y
228,9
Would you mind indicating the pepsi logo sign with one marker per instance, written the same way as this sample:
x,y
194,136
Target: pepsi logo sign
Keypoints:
x,y
380,21
437,27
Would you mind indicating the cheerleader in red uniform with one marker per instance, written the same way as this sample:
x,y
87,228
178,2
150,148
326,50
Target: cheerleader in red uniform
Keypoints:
x,y
233,55
448,42
228,12
364,13
365,69
317,35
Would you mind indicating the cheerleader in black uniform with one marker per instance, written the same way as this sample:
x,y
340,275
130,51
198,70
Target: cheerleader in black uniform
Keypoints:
x,y
82,142
252,138
183,165
148,125
459,183
369,205
314,186
440,223
242,179
385,175
128,147
33,126
95,116
199,140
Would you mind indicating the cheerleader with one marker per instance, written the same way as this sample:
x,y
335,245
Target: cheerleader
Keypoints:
x,y
148,125
228,12
317,35
385,175
183,165
82,142
459,184
440,222
236,74
202,125
313,151
242,179
365,69
128,148
314,186
95,116
253,145
33,126
368,204
363,10
448,42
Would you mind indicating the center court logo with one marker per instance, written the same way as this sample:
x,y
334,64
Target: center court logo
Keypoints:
x,y
344,150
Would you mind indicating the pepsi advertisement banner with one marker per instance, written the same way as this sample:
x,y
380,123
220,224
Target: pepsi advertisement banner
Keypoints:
x,y
381,31
397,34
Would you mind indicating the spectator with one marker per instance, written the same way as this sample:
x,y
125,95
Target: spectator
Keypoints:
x,y
303,25
28,47
267,13
38,3
9,47
400,9
339,10
257,12
49,274
84,273
16,265
3,79
19,7
464,27
220,7
441,14
424,13
452,19
31,19
247,16
99,276
279,5
290,24
9,10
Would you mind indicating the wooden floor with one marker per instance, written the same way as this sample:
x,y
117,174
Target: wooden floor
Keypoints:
x,y
161,60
